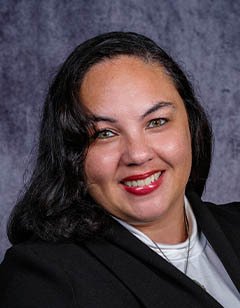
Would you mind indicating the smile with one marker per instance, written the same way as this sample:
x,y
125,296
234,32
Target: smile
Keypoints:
x,y
144,183
140,183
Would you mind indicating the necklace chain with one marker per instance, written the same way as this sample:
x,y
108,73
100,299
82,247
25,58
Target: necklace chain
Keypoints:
x,y
188,248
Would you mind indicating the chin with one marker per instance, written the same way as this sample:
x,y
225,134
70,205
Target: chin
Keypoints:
x,y
143,216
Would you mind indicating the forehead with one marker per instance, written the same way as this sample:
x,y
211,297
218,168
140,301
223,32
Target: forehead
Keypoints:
x,y
126,81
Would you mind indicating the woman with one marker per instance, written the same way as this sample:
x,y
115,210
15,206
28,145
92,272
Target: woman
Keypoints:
x,y
112,216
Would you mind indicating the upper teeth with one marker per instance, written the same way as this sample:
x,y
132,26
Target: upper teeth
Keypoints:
x,y
144,182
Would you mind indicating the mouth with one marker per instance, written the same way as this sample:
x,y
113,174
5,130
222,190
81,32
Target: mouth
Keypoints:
x,y
144,183
137,182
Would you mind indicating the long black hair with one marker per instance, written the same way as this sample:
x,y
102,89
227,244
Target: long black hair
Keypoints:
x,y
56,205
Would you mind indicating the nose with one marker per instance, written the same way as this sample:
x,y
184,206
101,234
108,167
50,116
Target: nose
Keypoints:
x,y
136,152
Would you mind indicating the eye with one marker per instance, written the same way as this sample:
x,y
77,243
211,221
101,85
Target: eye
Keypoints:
x,y
104,134
157,122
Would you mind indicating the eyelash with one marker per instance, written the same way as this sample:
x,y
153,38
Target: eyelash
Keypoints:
x,y
99,132
160,122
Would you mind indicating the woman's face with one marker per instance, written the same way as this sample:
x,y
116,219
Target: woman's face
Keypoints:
x,y
139,165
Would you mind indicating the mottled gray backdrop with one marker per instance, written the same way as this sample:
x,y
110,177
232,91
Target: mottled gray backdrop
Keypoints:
x,y
36,36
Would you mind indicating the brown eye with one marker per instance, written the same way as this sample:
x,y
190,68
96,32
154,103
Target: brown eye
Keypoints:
x,y
105,134
156,122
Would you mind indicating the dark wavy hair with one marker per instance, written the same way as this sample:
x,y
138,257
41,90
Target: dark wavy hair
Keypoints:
x,y
55,205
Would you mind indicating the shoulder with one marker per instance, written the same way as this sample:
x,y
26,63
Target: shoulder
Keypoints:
x,y
40,253
228,218
38,274
228,212
226,215
62,275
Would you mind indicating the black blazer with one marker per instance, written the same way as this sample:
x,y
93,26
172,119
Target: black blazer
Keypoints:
x,y
117,271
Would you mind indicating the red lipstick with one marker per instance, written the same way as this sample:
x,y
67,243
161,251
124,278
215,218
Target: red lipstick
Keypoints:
x,y
146,189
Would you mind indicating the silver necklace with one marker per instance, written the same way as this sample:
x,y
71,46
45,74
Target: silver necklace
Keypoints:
x,y
188,248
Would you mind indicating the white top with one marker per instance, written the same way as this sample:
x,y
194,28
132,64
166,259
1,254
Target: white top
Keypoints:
x,y
204,266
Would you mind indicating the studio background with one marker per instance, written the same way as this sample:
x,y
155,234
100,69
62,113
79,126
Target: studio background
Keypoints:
x,y
36,36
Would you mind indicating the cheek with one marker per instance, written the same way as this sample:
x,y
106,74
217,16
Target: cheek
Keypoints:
x,y
176,149
100,165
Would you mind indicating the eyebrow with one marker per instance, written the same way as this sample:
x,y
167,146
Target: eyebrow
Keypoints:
x,y
105,119
152,109
156,107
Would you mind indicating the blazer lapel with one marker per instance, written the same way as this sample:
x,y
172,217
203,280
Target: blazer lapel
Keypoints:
x,y
216,237
150,278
